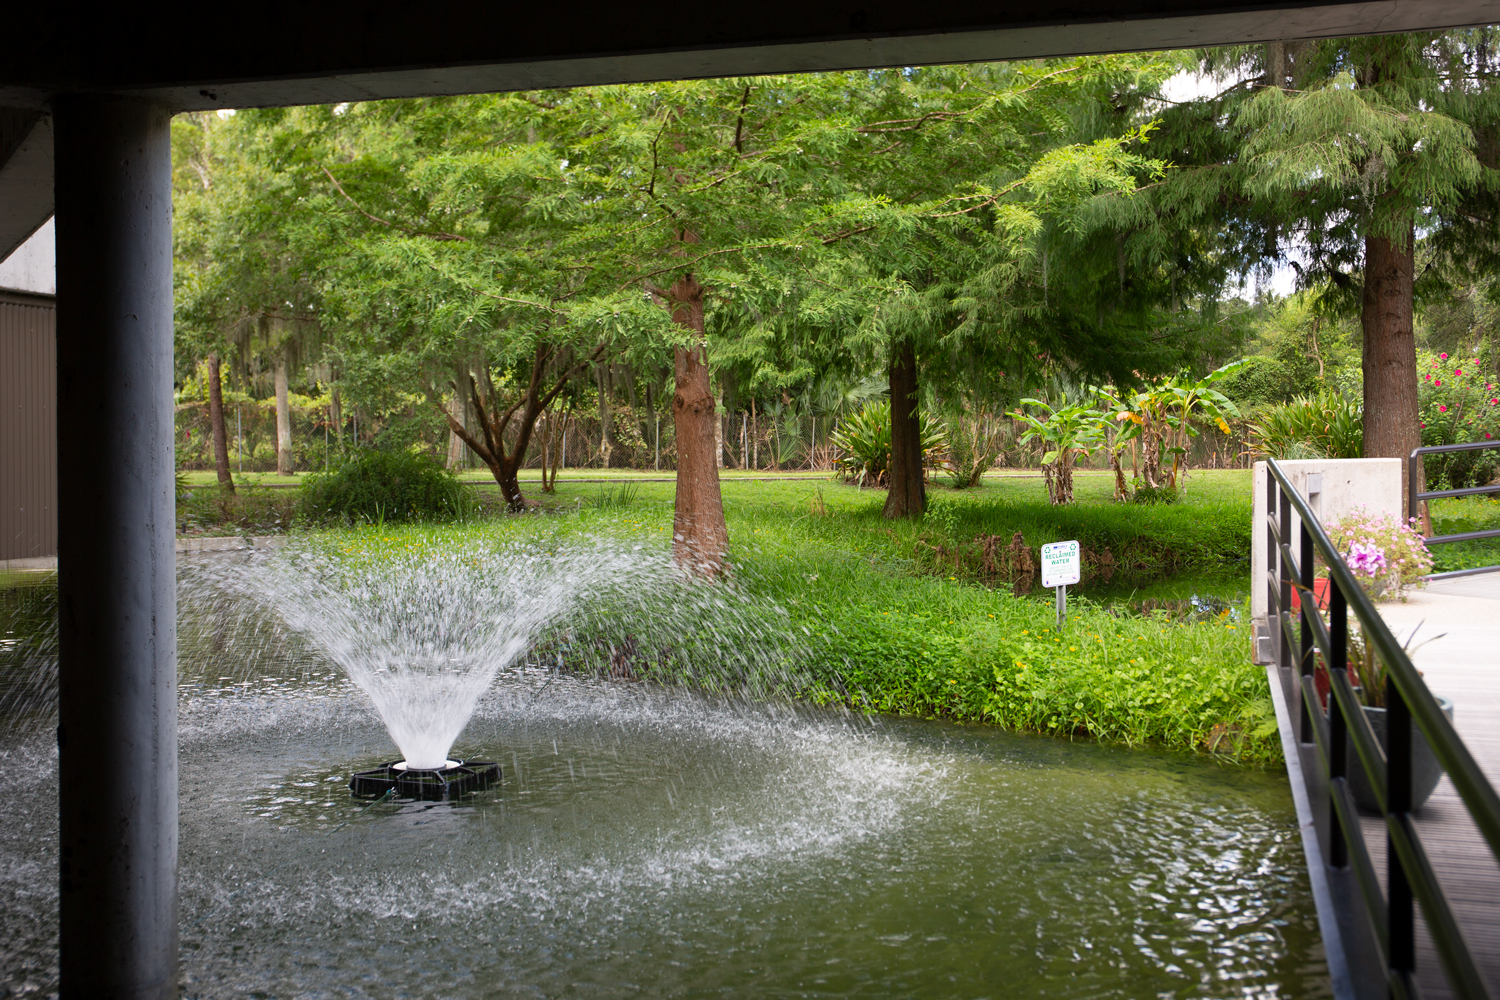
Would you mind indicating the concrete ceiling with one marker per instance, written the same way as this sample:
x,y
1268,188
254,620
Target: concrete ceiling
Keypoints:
x,y
284,52
308,52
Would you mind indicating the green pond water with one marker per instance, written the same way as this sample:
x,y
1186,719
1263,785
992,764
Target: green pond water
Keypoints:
x,y
649,843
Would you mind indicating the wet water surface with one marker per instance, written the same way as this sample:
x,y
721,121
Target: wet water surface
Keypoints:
x,y
654,844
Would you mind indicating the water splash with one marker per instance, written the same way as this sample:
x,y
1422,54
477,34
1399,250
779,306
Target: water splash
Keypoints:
x,y
423,629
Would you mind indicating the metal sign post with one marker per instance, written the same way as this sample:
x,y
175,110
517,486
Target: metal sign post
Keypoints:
x,y
1061,566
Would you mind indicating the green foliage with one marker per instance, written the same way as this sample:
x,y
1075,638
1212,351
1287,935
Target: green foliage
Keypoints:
x,y
884,633
1328,425
250,510
973,445
1459,400
378,487
1067,432
1259,381
616,495
1155,494
864,442
1458,515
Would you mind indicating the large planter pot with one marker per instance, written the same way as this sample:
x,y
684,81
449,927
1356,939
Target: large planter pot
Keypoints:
x,y
1426,771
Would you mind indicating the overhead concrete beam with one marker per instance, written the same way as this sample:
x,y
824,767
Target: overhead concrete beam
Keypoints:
x,y
296,52
25,175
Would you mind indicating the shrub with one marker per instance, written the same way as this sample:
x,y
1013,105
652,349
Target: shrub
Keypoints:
x,y
1327,425
864,443
1260,381
973,446
1384,555
250,510
377,486
1460,402
1145,493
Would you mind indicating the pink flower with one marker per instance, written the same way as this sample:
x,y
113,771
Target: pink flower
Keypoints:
x,y
1458,371
1486,433
1442,408
1424,426
1494,401
1366,559
1438,382
1427,377
1443,356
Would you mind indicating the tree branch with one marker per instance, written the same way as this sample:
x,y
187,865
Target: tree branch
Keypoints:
x,y
440,237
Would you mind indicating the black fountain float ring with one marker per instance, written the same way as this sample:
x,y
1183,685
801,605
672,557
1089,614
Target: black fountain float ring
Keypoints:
x,y
432,785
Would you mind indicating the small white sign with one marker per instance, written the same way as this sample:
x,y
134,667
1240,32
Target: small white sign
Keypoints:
x,y
1061,564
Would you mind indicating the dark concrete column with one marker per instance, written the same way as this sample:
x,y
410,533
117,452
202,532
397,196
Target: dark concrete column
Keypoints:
x,y
116,562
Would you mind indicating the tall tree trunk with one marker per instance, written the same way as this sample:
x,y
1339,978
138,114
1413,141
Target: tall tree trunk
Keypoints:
x,y
908,495
455,443
1391,420
718,427
700,539
606,418
216,423
283,418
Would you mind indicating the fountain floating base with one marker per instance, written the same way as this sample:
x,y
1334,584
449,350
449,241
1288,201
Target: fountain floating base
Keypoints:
x,y
435,784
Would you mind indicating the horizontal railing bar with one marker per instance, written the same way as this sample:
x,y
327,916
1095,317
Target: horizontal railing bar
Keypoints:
x,y
1456,573
1479,796
1467,491
1357,725
1458,961
1467,536
1435,449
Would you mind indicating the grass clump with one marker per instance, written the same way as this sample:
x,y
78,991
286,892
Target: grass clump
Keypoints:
x,y
376,487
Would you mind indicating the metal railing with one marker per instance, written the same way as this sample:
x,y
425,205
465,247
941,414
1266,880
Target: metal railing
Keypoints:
x,y
1389,915
1414,470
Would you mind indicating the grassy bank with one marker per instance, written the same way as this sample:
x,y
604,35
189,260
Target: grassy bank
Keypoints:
x,y
890,630
1457,515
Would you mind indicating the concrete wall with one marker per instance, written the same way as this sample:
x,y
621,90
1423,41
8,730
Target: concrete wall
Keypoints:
x,y
1346,483
33,265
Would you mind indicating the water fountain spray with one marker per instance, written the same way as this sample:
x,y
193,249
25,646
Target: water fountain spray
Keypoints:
x,y
422,628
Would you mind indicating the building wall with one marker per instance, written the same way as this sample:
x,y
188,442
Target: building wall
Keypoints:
x,y
28,426
33,266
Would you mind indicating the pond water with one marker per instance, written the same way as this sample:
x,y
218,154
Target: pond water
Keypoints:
x,y
652,843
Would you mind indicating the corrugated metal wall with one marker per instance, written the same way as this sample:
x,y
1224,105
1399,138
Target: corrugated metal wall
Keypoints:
x,y
28,426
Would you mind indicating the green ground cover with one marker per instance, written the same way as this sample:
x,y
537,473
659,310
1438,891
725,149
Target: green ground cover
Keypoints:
x,y
892,632
1460,514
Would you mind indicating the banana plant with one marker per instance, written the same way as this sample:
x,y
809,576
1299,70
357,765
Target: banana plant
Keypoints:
x,y
1164,415
1068,432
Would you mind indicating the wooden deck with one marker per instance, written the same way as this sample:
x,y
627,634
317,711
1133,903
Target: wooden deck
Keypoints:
x,y
1464,666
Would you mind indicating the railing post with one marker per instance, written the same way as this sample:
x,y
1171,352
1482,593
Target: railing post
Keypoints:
x,y
1402,946
1338,739
1273,565
1306,661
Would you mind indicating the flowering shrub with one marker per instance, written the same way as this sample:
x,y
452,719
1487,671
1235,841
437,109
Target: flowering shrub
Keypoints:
x,y
1383,554
1459,399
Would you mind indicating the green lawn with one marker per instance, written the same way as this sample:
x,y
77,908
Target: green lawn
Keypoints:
x,y
896,629
1457,515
